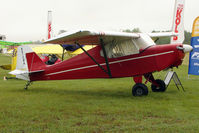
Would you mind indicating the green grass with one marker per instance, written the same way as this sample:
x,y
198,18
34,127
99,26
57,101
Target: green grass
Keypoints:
x,y
97,105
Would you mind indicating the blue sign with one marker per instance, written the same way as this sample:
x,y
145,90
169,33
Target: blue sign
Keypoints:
x,y
194,57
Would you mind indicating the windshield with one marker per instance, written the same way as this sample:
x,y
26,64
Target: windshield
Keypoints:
x,y
120,48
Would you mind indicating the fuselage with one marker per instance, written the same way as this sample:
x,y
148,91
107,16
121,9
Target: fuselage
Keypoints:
x,y
148,60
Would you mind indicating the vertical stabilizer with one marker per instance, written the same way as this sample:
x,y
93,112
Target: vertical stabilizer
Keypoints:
x,y
49,25
178,22
35,64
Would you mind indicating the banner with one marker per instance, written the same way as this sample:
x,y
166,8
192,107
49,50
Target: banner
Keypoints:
x,y
194,55
195,30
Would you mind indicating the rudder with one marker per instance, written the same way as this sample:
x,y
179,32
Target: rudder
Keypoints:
x,y
34,62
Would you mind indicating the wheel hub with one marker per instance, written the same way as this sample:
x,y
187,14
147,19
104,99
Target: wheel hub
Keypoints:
x,y
139,92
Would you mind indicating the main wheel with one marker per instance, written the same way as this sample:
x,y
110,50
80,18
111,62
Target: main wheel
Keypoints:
x,y
160,88
139,89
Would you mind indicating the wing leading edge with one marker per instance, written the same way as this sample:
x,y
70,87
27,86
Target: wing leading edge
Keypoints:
x,y
88,37
163,34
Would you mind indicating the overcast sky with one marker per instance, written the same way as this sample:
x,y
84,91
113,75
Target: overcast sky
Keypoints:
x,y
25,20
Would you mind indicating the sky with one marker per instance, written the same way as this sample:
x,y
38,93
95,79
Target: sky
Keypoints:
x,y
26,20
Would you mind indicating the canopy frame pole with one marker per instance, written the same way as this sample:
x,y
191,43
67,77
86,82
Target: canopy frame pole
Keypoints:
x,y
62,53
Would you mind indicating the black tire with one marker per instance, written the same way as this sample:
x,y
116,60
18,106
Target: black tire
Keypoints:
x,y
160,88
139,89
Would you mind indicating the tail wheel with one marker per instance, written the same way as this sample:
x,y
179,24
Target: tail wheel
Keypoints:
x,y
139,89
161,86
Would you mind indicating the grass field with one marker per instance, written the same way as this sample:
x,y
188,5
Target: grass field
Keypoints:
x,y
97,105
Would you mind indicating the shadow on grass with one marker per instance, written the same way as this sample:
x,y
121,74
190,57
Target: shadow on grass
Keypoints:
x,y
86,92
91,89
96,92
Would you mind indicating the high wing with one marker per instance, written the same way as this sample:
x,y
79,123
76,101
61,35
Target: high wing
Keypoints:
x,y
88,37
162,34
156,36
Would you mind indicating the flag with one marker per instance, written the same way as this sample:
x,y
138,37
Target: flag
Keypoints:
x,y
194,55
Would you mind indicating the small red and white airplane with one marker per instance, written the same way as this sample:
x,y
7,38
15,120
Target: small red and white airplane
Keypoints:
x,y
116,55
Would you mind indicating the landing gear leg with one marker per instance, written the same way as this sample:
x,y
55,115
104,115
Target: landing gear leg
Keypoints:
x,y
139,89
27,85
157,85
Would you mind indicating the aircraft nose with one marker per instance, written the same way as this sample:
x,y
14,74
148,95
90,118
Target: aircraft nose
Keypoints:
x,y
187,48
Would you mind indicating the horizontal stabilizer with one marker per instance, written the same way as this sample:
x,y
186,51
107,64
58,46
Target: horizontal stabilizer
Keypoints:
x,y
19,72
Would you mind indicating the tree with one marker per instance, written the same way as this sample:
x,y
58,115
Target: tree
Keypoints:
x,y
187,39
135,30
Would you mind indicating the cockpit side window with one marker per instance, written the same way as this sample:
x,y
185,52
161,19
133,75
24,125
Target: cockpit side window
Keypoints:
x,y
120,48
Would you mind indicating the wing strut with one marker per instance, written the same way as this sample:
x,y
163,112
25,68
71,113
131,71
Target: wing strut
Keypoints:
x,y
105,56
62,53
92,58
